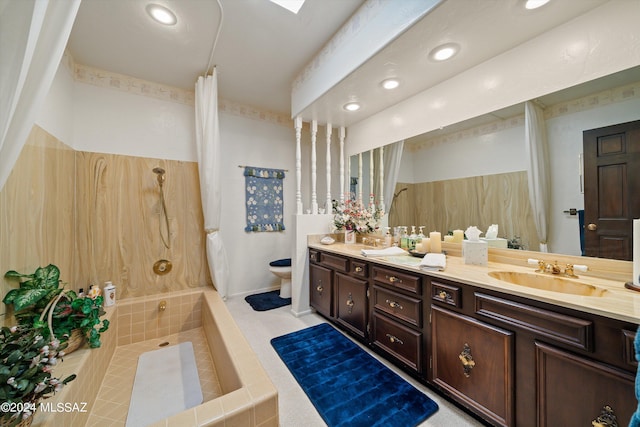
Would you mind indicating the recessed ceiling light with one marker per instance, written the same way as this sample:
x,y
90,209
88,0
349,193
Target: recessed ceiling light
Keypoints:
x,y
444,52
390,83
161,14
534,4
352,106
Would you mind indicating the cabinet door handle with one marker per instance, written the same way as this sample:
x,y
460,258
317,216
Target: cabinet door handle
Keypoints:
x,y
394,339
393,304
393,279
607,418
467,360
350,302
319,288
358,269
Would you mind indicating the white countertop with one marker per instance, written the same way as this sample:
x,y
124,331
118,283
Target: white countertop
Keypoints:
x,y
616,303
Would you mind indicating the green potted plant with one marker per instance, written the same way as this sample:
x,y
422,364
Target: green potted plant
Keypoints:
x,y
41,301
25,372
71,312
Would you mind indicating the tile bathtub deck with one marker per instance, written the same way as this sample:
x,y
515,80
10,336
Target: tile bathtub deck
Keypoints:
x,y
112,404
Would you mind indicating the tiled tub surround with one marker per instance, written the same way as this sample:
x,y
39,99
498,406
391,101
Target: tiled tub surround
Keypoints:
x,y
248,396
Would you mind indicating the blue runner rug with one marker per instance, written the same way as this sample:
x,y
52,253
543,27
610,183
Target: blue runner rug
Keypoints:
x,y
348,386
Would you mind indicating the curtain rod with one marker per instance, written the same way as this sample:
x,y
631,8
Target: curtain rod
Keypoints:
x,y
241,166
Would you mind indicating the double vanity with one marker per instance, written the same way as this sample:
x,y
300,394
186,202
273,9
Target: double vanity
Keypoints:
x,y
511,345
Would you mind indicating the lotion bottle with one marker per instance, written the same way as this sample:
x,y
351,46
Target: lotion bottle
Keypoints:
x,y
109,292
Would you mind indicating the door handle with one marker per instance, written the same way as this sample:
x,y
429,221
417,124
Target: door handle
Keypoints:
x,y
592,227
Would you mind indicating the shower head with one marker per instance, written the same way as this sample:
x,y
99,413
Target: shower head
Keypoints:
x,y
158,170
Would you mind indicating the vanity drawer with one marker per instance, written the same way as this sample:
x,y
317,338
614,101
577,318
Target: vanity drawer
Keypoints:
x,y
447,294
398,280
403,343
358,268
561,328
399,306
334,261
628,349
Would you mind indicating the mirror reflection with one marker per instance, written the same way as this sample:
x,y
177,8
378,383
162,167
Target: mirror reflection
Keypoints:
x,y
475,172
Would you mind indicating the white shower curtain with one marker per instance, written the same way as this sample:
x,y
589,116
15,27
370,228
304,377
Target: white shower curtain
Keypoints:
x,y
209,164
392,157
34,36
538,169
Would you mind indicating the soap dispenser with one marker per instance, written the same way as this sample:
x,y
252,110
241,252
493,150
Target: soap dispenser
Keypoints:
x,y
420,235
404,239
411,243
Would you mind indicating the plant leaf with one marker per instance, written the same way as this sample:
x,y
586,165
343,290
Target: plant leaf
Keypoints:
x,y
10,296
28,297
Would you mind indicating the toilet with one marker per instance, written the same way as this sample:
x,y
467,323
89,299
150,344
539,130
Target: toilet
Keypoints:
x,y
282,269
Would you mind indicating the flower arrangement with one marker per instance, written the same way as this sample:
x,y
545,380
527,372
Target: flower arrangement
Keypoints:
x,y
352,215
26,362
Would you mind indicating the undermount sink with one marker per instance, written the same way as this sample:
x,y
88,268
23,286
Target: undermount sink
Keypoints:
x,y
548,283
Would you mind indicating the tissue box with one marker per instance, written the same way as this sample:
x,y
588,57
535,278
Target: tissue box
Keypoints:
x,y
498,242
475,252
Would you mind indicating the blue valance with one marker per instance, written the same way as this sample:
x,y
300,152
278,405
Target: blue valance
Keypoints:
x,y
264,199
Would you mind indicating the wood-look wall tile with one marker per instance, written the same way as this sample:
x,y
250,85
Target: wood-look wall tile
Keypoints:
x,y
97,217
501,199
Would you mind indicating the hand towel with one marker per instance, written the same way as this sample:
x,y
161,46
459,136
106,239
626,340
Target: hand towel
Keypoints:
x,y
432,261
393,250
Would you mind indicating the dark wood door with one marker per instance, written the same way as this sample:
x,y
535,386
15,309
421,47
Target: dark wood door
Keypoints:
x,y
474,363
574,391
611,189
351,303
321,289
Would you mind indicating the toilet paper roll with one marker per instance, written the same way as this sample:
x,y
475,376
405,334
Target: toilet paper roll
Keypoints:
x,y
636,251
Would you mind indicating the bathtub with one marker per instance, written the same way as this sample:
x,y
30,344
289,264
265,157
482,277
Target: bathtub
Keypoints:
x,y
248,398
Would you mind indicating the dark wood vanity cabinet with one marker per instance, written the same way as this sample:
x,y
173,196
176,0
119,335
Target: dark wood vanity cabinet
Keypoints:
x,y
511,361
397,317
552,366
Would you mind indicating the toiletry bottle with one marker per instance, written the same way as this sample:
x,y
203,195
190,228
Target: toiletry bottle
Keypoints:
x,y
420,235
411,243
109,291
388,239
81,292
404,239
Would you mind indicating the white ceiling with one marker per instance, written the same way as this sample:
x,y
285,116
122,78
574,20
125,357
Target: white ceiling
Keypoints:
x,y
262,47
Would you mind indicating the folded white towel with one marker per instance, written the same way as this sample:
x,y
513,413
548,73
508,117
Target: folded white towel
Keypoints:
x,y
393,250
433,261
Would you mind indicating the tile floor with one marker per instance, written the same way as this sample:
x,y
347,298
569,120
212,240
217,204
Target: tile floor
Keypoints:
x,y
112,402
295,408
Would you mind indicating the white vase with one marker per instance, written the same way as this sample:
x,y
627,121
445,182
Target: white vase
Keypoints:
x,y
349,237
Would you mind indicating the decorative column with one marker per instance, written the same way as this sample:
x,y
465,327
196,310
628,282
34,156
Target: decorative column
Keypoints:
x,y
360,178
371,181
328,205
298,127
381,178
341,138
314,199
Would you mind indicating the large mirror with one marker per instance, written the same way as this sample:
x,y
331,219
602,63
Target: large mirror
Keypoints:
x,y
474,173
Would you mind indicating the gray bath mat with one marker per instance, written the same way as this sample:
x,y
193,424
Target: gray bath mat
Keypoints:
x,y
166,384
